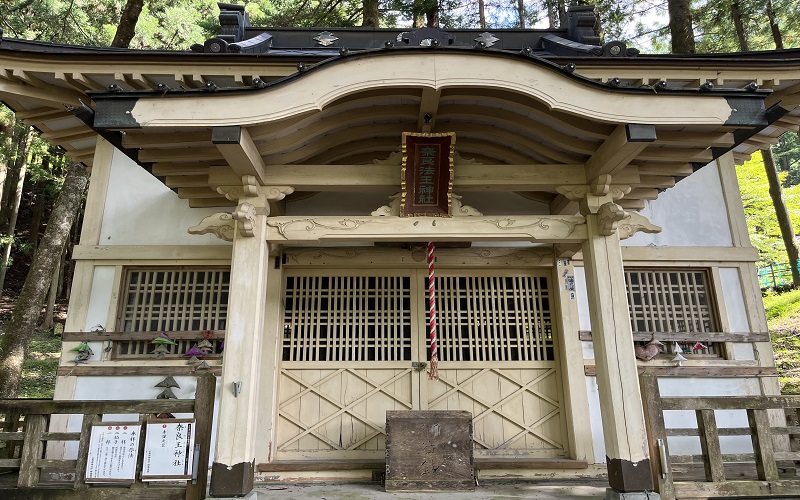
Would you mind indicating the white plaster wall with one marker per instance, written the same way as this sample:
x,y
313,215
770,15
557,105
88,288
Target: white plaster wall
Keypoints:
x,y
738,321
141,387
99,305
140,210
692,213
675,386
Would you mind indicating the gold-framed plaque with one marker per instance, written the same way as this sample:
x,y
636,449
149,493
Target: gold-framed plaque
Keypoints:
x,y
427,174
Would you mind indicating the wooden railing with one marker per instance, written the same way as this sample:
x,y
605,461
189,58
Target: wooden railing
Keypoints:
x,y
771,470
25,433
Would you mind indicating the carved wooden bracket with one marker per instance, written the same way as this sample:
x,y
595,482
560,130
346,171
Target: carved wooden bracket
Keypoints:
x,y
608,217
248,188
633,223
393,208
245,213
220,224
577,193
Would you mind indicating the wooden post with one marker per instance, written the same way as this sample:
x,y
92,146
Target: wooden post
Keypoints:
x,y
234,459
570,355
83,449
204,416
656,430
709,443
762,445
625,436
31,451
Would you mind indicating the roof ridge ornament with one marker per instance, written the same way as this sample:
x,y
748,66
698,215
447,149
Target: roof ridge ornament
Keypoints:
x,y
428,37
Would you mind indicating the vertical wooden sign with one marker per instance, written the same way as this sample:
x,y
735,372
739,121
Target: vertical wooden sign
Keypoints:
x,y
427,174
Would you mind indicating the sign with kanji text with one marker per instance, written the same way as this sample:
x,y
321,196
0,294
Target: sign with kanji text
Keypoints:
x,y
427,174
168,449
113,451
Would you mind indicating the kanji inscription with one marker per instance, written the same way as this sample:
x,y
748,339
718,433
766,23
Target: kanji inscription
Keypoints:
x,y
427,174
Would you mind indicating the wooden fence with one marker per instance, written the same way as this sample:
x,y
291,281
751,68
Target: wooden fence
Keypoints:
x,y
25,433
767,472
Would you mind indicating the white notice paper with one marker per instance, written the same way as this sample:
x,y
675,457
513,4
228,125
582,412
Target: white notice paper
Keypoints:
x,y
113,451
168,449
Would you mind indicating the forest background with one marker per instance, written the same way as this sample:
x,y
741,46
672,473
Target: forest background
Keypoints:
x,y
32,172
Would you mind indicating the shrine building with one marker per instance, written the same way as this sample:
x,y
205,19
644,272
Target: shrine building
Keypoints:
x,y
264,193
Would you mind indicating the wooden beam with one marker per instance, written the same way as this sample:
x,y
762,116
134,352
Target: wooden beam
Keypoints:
x,y
429,105
40,115
178,155
684,155
238,148
185,181
195,168
197,192
70,134
539,228
674,169
53,96
210,202
688,138
621,147
469,177
173,140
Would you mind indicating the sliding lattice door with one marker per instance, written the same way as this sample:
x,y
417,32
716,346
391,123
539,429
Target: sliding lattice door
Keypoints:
x,y
354,342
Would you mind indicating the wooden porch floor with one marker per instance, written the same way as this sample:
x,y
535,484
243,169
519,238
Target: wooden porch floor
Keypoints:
x,y
528,489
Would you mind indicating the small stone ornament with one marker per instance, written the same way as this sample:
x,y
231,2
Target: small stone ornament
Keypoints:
x,y
84,352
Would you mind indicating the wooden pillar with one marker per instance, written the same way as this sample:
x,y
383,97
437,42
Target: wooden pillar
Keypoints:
x,y
234,458
624,431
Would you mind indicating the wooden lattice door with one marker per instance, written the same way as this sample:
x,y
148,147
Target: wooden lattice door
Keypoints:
x,y
355,346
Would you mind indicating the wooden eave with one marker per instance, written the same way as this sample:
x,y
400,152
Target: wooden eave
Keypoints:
x,y
495,126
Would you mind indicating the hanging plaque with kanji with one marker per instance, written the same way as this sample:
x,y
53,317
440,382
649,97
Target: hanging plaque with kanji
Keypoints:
x,y
427,174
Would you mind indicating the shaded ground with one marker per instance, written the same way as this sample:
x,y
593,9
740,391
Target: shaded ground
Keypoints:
x,y
41,361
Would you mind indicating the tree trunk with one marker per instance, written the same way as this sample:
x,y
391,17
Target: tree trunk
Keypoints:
x,y
29,304
482,13
432,16
6,147
127,23
552,13
738,23
418,14
521,13
22,162
782,214
680,27
19,153
371,17
773,25
47,322
37,212
562,13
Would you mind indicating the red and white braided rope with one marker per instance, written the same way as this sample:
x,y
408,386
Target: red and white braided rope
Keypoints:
x,y
433,374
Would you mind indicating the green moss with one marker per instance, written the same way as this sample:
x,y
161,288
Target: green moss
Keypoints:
x,y
780,305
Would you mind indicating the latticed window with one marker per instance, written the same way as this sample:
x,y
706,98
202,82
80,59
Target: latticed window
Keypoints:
x,y
173,300
494,318
347,318
671,301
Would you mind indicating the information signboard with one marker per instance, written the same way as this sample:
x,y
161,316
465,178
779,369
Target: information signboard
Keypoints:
x,y
113,452
168,449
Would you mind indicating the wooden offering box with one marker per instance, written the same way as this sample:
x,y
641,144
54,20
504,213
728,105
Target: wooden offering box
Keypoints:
x,y
429,451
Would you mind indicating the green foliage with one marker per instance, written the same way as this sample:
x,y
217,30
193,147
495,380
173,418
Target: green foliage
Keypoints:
x,y
41,363
779,305
765,234
163,24
716,33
